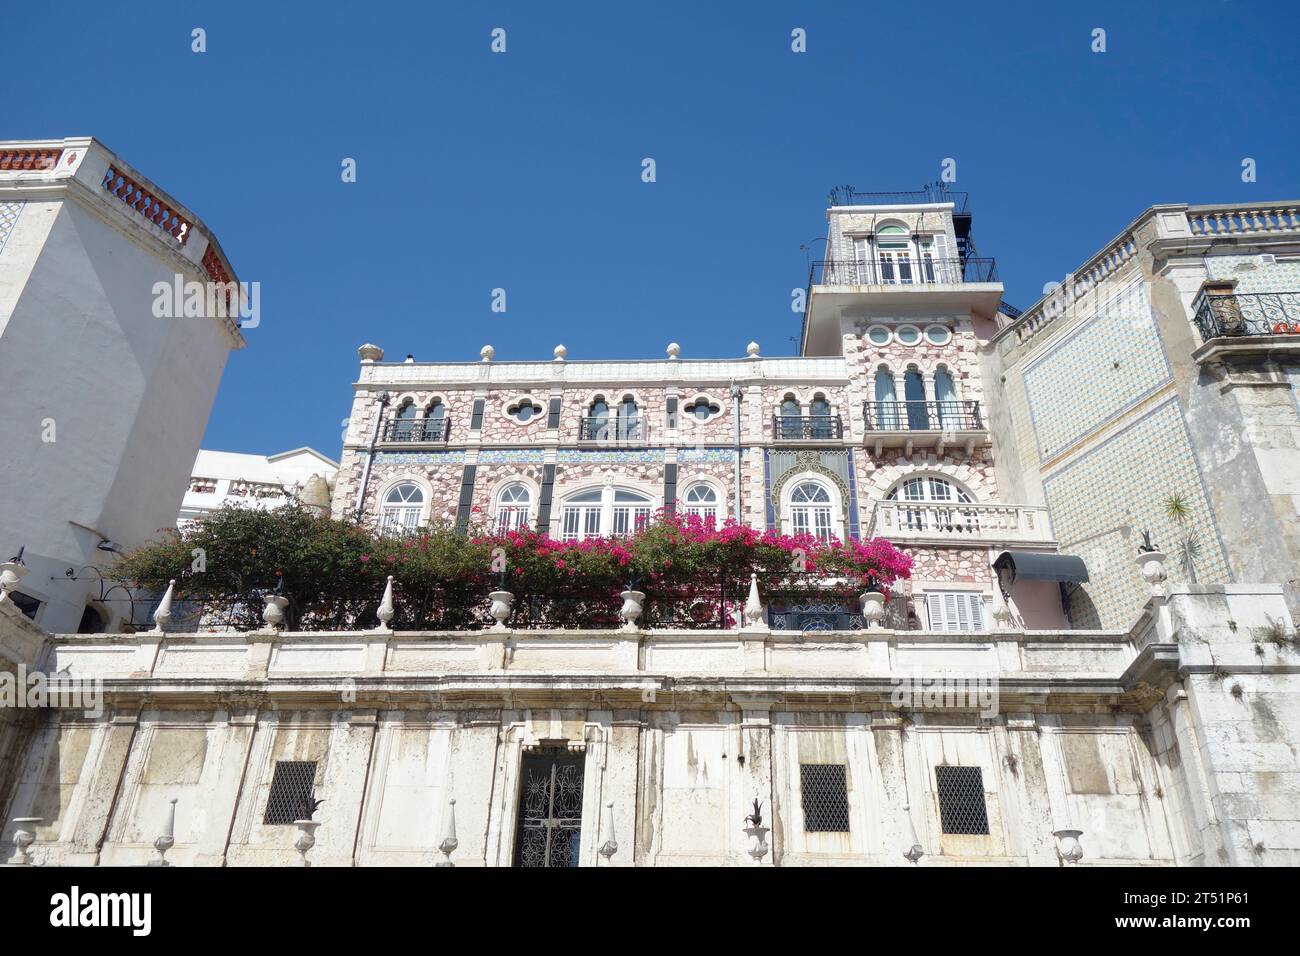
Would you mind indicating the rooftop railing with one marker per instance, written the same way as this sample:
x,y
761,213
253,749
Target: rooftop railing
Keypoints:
x,y
933,193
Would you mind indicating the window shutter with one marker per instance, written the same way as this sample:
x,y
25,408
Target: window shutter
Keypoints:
x,y
955,610
944,269
544,499
553,414
476,416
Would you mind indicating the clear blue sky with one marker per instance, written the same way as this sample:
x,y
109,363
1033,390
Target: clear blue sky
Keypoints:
x,y
522,170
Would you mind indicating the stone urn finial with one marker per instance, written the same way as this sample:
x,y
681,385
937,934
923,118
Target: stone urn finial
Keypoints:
x,y
371,353
24,837
752,350
386,610
487,353
1151,564
754,610
561,353
633,602
163,614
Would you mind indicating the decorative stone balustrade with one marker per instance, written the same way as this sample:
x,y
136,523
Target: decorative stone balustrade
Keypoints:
x,y
960,522
123,187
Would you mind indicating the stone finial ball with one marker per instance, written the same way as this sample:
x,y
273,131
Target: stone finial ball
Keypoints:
x,y
674,350
752,349
487,352
560,353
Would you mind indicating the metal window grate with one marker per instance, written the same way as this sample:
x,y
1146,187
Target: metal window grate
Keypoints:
x,y
824,788
961,799
291,792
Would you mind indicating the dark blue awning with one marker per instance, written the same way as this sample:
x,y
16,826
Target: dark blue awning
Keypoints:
x,y
1036,566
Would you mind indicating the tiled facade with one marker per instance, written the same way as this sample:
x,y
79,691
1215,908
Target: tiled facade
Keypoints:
x,y
929,348
1118,398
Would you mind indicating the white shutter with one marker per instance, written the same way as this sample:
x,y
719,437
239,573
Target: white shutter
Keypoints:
x,y
944,270
955,610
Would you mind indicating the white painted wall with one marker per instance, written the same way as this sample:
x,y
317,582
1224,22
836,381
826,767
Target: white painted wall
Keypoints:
x,y
83,359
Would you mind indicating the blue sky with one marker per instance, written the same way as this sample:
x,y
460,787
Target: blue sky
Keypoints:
x,y
522,170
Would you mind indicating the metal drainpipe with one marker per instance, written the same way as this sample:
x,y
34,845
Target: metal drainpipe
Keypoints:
x,y
370,453
736,393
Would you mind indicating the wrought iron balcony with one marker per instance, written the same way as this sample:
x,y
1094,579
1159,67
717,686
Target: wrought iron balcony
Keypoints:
x,y
884,270
962,416
807,427
959,521
417,429
619,429
1248,313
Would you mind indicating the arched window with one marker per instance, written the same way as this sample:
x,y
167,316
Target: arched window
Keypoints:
x,y
791,418
596,425
945,397
701,500
601,512
811,509
894,249
404,426
402,508
514,503
819,413
930,503
629,419
887,411
918,415
435,419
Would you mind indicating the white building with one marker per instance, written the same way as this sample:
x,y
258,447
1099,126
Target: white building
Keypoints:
x,y
261,481
104,402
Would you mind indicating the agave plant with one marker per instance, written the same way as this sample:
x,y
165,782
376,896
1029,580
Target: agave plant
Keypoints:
x,y
1179,510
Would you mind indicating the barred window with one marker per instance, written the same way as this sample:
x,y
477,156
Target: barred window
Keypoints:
x,y
961,799
291,792
824,789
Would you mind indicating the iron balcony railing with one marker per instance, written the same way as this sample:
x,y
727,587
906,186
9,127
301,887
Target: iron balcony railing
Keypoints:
x,y
932,193
603,428
885,270
807,427
1250,313
417,429
923,416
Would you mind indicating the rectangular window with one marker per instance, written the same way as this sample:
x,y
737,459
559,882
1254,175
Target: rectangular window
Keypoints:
x,y
955,610
961,800
578,522
25,603
291,792
823,788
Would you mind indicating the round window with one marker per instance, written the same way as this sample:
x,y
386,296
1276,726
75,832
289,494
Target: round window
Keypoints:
x,y
878,335
908,335
939,334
